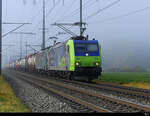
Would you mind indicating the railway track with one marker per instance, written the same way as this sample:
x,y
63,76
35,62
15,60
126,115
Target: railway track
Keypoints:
x,y
122,91
135,94
78,104
90,100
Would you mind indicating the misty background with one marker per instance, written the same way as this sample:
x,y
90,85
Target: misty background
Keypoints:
x,y
122,29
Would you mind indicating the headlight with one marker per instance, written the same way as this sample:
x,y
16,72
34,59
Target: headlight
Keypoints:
x,y
77,64
97,64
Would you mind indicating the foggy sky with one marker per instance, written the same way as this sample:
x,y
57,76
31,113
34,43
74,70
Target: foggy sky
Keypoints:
x,y
123,40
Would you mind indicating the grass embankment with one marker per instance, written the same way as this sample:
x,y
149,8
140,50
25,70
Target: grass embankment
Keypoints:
x,y
9,103
139,80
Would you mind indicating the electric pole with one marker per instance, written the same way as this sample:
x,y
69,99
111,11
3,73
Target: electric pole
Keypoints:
x,y
0,37
26,49
22,33
81,25
43,46
81,31
26,64
20,46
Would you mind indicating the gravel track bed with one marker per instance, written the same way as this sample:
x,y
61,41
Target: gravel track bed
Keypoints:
x,y
113,94
106,104
36,99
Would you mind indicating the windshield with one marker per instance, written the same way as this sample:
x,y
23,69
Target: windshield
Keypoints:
x,y
88,47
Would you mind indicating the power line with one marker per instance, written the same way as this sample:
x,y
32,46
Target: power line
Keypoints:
x,y
44,21
34,17
108,6
22,24
76,11
22,33
12,30
72,3
46,17
39,11
50,11
85,5
44,9
122,16
12,23
64,28
27,33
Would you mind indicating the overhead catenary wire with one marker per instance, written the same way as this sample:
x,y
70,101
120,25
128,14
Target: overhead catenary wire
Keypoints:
x,y
38,13
72,3
76,11
86,4
122,16
12,30
102,9
39,22
48,13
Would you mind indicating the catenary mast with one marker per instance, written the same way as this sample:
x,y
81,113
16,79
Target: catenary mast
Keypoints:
x,y
0,37
43,44
81,30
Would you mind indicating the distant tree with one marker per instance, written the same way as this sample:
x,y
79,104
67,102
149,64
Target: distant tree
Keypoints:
x,y
148,70
138,69
126,69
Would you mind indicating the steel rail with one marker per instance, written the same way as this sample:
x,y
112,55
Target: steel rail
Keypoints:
x,y
110,86
69,97
129,104
119,89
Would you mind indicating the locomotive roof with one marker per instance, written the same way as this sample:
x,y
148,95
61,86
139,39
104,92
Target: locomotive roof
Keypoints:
x,y
47,48
83,41
32,54
79,38
60,44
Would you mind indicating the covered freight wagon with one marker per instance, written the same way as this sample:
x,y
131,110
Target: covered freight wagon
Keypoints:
x,y
41,61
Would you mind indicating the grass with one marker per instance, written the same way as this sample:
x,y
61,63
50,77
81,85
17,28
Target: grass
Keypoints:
x,y
139,80
9,103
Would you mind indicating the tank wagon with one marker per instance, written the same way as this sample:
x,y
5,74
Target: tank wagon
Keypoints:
x,y
73,59
30,63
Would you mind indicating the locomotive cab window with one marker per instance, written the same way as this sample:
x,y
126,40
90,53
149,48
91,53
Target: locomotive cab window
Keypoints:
x,y
80,47
86,47
92,48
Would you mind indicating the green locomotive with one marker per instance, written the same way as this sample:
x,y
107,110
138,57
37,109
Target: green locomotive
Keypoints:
x,y
75,59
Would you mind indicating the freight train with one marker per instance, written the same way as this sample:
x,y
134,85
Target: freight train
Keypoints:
x,y
74,59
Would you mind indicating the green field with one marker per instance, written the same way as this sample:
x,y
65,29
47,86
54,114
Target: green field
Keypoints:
x,y
8,101
141,80
125,77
